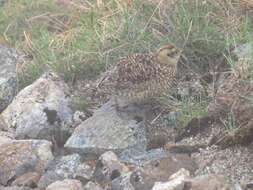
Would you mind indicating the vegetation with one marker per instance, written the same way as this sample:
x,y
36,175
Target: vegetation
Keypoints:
x,y
80,39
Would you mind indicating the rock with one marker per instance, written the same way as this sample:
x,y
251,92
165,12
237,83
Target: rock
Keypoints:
x,y
79,117
105,131
41,110
5,137
8,77
208,182
59,169
19,157
84,172
244,51
92,186
15,188
151,169
29,179
67,184
182,173
140,157
183,148
108,168
162,169
123,182
177,181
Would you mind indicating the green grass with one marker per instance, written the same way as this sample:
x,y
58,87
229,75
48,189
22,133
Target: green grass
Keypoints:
x,y
75,42
191,108
229,122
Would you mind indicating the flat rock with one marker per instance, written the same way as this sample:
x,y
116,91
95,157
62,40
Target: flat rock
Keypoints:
x,y
18,157
41,110
8,77
106,131
59,169
67,184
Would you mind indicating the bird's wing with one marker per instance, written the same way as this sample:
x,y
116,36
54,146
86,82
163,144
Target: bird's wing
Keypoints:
x,y
131,72
137,69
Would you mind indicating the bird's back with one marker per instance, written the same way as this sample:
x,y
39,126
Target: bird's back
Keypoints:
x,y
138,77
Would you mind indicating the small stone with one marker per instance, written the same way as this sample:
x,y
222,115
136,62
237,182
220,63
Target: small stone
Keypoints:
x,y
92,186
177,181
109,167
67,184
29,179
15,188
84,172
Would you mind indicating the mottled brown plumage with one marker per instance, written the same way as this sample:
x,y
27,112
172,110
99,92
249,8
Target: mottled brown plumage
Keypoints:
x,y
139,77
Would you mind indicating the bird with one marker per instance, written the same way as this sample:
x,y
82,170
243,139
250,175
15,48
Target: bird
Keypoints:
x,y
140,77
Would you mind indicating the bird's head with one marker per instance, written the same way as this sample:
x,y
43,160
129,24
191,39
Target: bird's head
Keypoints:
x,y
168,54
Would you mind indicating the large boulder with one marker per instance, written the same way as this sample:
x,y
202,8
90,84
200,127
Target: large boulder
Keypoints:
x,y
41,110
107,130
18,157
8,77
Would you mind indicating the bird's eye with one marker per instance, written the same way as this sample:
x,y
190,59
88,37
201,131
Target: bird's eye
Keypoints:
x,y
169,54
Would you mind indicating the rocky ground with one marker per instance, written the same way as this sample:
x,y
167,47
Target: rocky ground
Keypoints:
x,y
46,145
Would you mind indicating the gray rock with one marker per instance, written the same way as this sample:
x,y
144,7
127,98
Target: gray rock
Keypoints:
x,y
92,186
123,182
59,169
84,172
2,2
140,157
105,131
41,110
5,137
67,184
18,157
8,77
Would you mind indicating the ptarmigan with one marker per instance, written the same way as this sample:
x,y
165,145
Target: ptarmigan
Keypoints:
x,y
140,77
